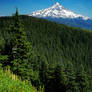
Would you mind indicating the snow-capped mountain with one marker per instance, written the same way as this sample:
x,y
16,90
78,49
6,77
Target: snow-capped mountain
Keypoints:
x,y
62,15
57,11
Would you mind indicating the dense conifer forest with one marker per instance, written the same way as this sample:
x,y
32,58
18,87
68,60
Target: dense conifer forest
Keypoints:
x,y
50,56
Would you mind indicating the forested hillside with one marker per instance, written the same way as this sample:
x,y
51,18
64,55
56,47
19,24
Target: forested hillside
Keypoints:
x,y
52,56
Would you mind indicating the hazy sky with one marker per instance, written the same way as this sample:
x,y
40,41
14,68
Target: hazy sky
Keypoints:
x,y
7,7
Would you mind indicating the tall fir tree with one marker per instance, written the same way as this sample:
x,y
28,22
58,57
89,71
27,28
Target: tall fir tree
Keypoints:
x,y
82,79
71,78
3,58
43,70
50,79
20,49
60,79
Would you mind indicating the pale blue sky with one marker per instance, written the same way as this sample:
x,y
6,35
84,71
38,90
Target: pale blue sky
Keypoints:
x,y
7,7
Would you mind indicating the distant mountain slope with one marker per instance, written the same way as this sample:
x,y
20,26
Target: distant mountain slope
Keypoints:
x,y
62,15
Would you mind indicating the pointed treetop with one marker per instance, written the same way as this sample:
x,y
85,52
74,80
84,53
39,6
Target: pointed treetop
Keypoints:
x,y
16,12
16,16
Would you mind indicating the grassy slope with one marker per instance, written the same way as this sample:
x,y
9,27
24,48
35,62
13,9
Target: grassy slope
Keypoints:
x,y
11,83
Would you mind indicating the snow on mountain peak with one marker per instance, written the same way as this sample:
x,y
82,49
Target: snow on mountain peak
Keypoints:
x,y
57,11
57,5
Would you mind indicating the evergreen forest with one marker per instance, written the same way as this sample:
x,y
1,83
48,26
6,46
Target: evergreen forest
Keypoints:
x,y
37,55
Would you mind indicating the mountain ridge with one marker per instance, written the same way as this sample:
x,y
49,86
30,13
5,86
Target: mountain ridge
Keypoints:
x,y
62,15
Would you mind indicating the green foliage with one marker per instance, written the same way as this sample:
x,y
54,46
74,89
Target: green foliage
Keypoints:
x,y
43,70
50,80
51,44
82,80
61,81
19,50
56,42
71,78
10,83
3,58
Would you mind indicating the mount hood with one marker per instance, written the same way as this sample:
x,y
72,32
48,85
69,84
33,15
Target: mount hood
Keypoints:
x,y
62,15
